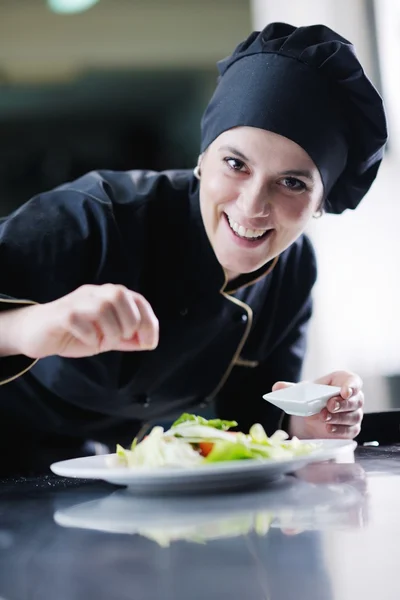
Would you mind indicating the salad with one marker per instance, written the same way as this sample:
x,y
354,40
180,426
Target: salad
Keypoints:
x,y
193,440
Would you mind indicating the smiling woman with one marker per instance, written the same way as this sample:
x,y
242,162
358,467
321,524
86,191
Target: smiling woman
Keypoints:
x,y
129,296
257,194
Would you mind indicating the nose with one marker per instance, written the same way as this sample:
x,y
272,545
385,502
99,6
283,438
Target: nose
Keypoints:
x,y
253,202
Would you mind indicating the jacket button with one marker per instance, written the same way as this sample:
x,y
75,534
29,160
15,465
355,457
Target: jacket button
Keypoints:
x,y
184,311
143,400
240,317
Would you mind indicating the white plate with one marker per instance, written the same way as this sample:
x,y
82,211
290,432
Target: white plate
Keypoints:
x,y
303,399
203,478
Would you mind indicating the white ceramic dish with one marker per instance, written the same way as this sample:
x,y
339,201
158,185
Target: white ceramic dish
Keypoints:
x,y
203,478
303,399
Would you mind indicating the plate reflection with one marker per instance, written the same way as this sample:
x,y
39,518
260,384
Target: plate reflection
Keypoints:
x,y
322,496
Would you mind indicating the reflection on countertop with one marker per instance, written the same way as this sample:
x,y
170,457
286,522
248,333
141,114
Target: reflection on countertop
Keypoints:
x,y
293,504
311,537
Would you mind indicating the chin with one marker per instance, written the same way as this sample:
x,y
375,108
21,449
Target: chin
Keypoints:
x,y
241,269
242,266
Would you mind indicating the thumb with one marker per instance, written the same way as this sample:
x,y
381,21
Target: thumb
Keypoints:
x,y
281,385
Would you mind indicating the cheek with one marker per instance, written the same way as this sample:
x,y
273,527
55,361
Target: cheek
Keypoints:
x,y
294,213
217,191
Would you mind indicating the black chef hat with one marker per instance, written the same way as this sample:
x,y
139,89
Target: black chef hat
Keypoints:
x,y
306,84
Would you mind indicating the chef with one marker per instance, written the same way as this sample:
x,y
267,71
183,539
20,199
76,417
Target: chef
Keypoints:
x,y
128,297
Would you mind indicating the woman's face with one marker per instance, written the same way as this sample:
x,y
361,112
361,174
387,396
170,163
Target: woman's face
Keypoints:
x,y
258,191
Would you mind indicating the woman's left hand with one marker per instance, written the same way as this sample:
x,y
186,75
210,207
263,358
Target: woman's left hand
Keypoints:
x,y
343,414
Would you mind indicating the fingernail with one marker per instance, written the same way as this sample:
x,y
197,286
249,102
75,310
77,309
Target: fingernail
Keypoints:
x,y
333,429
349,392
328,417
337,406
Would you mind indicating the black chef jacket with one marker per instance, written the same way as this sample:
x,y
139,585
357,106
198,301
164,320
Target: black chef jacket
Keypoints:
x,y
226,344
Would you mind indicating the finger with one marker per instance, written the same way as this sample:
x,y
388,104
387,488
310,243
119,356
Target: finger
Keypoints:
x,y
343,431
106,320
132,345
85,331
351,386
337,404
345,418
148,330
127,313
281,385
350,383
94,322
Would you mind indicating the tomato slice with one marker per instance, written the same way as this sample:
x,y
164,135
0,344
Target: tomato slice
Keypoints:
x,y
205,448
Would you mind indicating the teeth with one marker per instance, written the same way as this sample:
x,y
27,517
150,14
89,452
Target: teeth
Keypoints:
x,y
243,232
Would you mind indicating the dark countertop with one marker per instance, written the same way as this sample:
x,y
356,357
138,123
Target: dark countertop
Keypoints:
x,y
331,533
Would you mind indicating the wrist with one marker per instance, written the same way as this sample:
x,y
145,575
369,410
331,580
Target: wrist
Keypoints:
x,y
11,328
297,427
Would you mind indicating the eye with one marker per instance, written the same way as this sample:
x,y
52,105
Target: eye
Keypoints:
x,y
292,183
235,164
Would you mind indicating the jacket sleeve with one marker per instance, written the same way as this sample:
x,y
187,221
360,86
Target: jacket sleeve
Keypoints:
x,y
241,397
48,247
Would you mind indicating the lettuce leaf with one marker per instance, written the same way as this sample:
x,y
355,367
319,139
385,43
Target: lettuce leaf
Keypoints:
x,y
223,451
158,450
196,419
258,435
122,455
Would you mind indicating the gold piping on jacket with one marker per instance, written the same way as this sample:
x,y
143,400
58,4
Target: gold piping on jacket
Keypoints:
x,y
280,422
35,360
241,343
241,287
247,308
242,362
142,431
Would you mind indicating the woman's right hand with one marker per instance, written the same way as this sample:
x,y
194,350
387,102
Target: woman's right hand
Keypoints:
x,y
90,320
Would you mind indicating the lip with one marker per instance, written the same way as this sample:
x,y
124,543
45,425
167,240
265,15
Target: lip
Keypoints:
x,y
242,243
248,224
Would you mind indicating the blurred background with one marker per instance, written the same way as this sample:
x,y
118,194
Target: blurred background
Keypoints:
x,y
121,84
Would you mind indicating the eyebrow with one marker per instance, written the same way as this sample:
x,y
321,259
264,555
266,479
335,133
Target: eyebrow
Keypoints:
x,y
237,152
297,172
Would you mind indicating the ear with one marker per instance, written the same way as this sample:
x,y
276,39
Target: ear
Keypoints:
x,y
320,211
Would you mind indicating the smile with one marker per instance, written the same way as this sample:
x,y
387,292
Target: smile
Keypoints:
x,y
246,234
